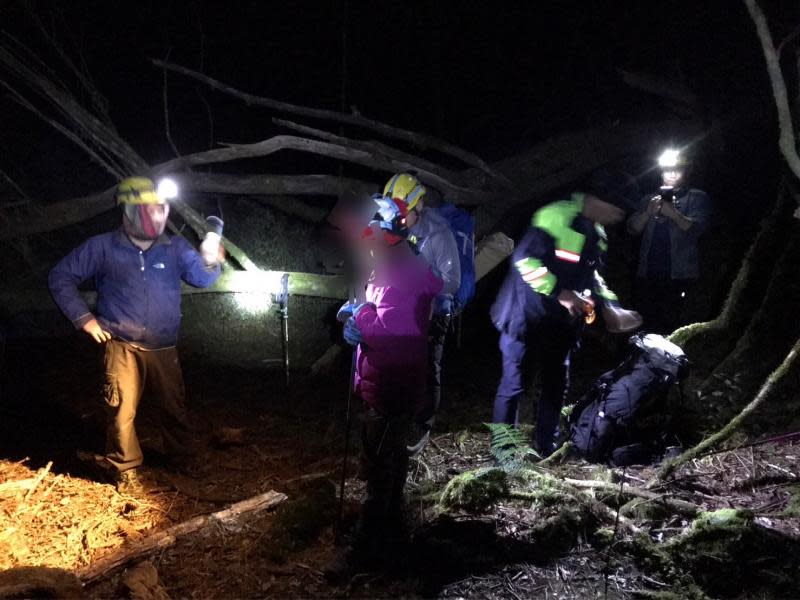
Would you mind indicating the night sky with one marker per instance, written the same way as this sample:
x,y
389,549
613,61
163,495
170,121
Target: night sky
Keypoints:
x,y
496,77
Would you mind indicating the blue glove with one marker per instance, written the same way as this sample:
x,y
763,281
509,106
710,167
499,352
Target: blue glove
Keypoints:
x,y
443,305
348,309
351,333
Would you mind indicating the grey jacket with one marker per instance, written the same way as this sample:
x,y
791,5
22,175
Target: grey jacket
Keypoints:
x,y
437,244
694,204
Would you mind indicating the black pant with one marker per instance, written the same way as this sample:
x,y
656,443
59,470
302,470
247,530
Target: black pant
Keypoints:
x,y
665,304
384,466
440,325
551,341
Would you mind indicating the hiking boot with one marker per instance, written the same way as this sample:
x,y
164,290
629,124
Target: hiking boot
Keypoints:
x,y
99,468
128,483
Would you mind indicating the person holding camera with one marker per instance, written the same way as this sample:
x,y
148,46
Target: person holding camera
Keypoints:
x,y
670,223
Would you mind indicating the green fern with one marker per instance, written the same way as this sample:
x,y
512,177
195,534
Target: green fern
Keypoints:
x,y
509,447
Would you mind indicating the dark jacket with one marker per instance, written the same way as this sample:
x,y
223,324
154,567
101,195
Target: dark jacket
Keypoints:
x,y
138,292
684,263
562,250
437,244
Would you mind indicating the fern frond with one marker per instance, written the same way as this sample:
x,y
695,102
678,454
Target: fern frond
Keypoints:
x,y
509,447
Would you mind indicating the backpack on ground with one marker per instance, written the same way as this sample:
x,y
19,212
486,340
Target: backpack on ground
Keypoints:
x,y
462,225
624,418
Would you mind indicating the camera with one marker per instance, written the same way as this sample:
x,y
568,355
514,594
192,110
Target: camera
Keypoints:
x,y
667,193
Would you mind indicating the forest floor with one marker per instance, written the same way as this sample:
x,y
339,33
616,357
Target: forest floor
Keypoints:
x,y
258,437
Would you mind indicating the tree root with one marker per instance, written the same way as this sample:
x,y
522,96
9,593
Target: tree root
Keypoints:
x,y
669,466
676,505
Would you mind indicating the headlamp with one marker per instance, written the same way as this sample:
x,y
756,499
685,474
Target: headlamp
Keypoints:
x,y
167,189
669,159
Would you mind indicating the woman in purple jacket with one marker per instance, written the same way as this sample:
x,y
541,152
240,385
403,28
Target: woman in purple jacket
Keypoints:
x,y
390,331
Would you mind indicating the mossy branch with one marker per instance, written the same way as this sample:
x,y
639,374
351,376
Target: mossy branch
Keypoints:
x,y
786,142
557,456
674,504
669,466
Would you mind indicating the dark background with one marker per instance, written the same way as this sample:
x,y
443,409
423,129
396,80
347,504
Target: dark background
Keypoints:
x,y
495,77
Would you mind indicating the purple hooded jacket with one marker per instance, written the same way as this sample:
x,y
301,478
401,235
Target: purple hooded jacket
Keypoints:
x,y
392,359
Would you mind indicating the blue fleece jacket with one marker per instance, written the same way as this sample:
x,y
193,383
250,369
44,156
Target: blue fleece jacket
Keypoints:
x,y
138,291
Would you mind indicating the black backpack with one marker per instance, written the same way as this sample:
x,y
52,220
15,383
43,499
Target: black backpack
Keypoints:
x,y
625,413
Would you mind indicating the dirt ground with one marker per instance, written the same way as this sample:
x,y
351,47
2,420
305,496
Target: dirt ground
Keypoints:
x,y
259,437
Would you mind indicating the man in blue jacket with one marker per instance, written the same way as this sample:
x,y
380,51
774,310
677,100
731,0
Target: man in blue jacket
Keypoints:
x,y
671,224
137,271
552,286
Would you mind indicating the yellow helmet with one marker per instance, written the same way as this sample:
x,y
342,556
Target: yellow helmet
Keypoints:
x,y
405,187
138,190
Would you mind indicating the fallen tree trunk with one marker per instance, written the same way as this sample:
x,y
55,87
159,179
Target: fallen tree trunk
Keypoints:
x,y
566,159
163,539
53,216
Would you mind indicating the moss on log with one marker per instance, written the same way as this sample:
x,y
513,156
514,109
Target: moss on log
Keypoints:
x,y
728,553
475,491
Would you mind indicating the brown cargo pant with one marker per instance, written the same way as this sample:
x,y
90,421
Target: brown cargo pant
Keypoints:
x,y
130,372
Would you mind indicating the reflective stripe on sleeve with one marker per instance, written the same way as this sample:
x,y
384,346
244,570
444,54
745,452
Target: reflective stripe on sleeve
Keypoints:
x,y
567,255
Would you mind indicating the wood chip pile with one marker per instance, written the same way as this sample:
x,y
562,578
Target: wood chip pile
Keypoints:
x,y
56,520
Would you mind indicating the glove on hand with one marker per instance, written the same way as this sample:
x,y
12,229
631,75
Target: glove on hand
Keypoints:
x,y
348,309
443,305
212,250
351,333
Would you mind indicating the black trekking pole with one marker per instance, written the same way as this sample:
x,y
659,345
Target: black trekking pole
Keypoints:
x,y
347,423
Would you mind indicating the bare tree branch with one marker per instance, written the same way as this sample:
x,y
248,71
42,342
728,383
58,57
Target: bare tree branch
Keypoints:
x,y
165,100
419,140
77,140
337,151
786,142
91,128
7,178
419,165
98,101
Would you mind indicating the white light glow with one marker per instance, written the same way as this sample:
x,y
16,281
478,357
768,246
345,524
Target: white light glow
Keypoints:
x,y
253,303
669,159
167,189
256,290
